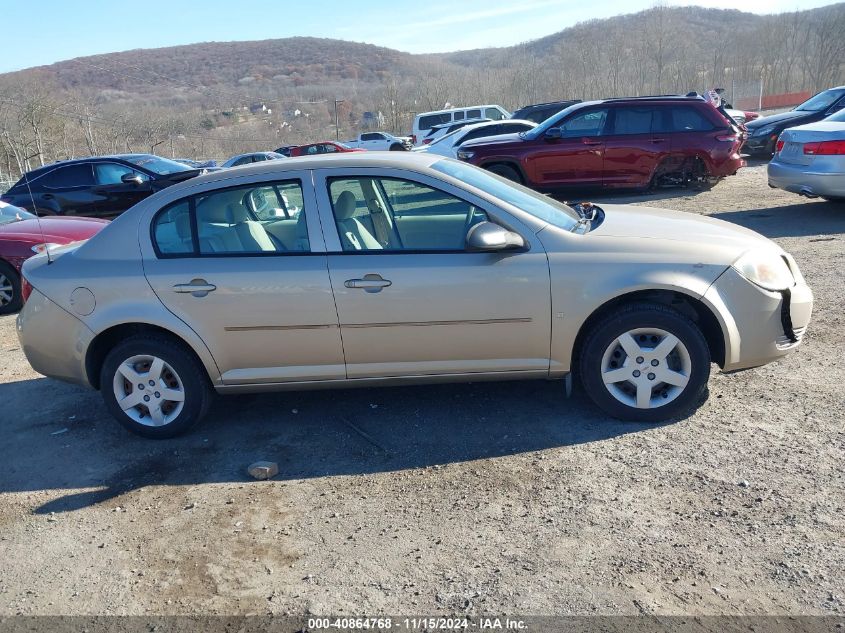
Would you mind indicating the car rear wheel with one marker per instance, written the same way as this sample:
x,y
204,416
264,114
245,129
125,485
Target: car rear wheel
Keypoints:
x,y
11,299
506,171
154,387
645,363
397,147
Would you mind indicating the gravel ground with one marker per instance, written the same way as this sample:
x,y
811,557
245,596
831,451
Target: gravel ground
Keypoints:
x,y
489,498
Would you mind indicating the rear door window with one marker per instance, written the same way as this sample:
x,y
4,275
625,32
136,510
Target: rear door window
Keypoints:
x,y
633,120
474,114
70,176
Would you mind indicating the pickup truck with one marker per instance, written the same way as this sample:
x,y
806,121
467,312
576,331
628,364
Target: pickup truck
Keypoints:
x,y
380,141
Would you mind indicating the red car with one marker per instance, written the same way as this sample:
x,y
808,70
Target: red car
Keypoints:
x,y
326,147
617,143
22,236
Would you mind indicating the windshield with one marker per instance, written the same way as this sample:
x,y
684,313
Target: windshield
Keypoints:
x,y
450,135
821,101
552,121
157,164
9,213
839,116
540,206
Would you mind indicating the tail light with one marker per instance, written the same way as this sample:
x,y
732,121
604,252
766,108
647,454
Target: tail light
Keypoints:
x,y
825,148
779,146
413,139
26,289
426,141
729,137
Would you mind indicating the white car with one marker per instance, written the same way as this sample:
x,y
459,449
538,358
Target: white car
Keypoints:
x,y
378,141
248,159
424,121
448,145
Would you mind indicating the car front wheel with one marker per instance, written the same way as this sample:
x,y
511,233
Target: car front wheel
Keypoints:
x,y
154,387
645,363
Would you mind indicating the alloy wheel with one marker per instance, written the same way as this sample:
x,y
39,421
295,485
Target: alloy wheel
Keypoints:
x,y
7,290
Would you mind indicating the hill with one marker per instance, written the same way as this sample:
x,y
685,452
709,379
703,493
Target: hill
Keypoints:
x,y
217,98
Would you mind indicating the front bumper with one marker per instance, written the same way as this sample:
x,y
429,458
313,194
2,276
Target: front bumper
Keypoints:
x,y
760,326
54,341
802,179
760,145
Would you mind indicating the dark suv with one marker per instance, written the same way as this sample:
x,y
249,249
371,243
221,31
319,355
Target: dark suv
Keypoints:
x,y
539,112
104,186
617,143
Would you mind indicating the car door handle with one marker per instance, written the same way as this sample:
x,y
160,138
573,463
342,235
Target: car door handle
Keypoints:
x,y
47,196
587,141
197,287
658,140
369,283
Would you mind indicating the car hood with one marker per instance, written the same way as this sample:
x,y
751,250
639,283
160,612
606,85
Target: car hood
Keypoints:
x,y
700,233
498,139
795,116
55,230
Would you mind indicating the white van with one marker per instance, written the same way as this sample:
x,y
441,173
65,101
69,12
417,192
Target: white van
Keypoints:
x,y
424,121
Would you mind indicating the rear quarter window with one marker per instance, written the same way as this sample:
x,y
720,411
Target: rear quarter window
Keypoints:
x,y
687,119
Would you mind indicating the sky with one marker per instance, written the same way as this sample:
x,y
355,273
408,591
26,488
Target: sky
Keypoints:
x,y
47,31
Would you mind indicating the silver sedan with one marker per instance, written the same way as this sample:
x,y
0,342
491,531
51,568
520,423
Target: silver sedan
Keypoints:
x,y
810,159
385,268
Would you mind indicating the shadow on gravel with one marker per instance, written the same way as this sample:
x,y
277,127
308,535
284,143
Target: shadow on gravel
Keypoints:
x,y
309,434
806,218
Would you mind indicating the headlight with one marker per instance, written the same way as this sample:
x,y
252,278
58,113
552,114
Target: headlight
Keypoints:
x,y
766,269
763,131
464,154
40,248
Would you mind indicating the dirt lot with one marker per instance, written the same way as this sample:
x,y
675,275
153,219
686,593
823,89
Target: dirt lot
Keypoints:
x,y
491,498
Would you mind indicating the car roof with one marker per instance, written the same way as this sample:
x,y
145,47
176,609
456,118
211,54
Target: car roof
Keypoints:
x,y
549,104
385,159
471,107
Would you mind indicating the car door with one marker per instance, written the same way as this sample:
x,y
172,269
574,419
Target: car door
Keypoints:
x,y
571,154
265,311
117,196
410,298
68,190
635,143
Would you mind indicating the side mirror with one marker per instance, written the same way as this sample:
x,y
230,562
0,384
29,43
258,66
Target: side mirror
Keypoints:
x,y
132,179
552,133
487,236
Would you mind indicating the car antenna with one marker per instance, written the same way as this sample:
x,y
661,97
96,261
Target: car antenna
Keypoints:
x,y
35,211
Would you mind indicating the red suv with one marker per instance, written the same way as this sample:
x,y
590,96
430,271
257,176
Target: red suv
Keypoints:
x,y
631,142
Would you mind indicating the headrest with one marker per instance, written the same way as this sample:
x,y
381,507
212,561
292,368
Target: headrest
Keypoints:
x,y
183,226
237,213
345,205
211,211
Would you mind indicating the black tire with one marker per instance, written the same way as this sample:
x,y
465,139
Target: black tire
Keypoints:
x,y
16,302
188,369
397,147
505,171
635,316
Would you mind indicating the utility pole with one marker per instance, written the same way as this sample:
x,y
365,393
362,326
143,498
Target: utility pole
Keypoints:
x,y
336,125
